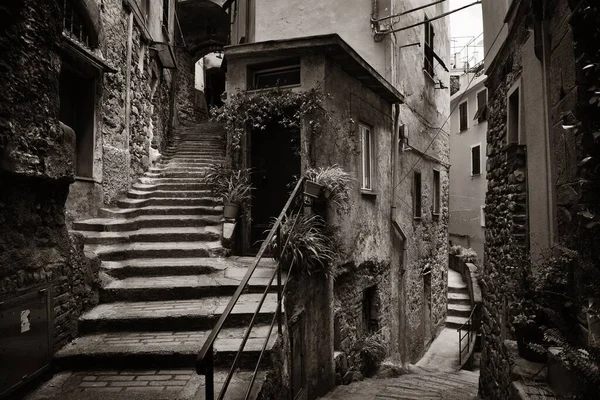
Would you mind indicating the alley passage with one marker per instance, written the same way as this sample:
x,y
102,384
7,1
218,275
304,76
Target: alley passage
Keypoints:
x,y
461,385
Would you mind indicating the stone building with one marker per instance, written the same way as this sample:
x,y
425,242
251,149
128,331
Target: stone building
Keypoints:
x,y
468,184
96,90
540,186
395,239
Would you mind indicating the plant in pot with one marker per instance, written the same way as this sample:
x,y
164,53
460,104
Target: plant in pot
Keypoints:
x,y
232,185
334,183
307,246
237,192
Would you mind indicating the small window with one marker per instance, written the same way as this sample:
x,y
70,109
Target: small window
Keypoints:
x,y
476,160
417,199
464,119
429,52
513,125
166,14
481,114
75,25
366,140
436,193
286,73
482,217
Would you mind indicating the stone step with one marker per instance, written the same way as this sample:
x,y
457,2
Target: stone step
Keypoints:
x,y
163,169
175,315
186,207
206,158
169,186
184,266
459,289
145,221
192,194
180,234
459,298
194,151
459,310
202,206
199,165
158,180
176,174
119,252
455,322
180,287
164,349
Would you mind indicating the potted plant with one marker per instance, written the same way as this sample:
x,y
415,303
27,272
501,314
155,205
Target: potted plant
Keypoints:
x,y
312,188
334,183
309,247
237,193
232,185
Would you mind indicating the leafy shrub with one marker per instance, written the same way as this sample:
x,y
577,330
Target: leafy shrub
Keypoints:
x,y
372,353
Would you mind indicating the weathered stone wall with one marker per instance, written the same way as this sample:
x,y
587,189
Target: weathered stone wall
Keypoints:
x,y
502,250
150,97
185,93
36,168
511,177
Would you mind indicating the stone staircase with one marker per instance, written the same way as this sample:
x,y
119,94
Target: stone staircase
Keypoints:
x,y
459,301
166,280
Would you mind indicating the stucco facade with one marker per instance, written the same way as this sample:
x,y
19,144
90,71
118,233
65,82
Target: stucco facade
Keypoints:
x,y
387,244
467,190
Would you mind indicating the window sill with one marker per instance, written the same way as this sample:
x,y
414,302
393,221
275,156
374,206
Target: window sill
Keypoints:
x,y
368,192
476,175
436,215
85,179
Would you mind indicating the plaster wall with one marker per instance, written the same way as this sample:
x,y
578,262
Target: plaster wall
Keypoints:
x,y
467,192
495,31
277,20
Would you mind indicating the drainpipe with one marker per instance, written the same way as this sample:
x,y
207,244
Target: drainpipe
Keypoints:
x,y
400,291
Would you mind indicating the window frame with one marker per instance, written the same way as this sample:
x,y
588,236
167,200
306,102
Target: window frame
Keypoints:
x,y
481,114
437,193
165,13
516,87
466,108
273,67
428,47
482,217
480,159
417,194
365,128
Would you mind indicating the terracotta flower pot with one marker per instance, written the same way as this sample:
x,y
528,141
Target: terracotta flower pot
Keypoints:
x,y
312,189
230,210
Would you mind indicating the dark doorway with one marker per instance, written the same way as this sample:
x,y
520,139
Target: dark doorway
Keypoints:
x,y
275,162
427,307
77,96
215,86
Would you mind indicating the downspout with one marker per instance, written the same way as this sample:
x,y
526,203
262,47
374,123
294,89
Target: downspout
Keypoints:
x,y
401,344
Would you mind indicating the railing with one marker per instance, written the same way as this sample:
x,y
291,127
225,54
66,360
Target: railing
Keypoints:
x,y
205,361
467,334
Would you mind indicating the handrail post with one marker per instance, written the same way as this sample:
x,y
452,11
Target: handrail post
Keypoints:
x,y
280,251
209,378
459,347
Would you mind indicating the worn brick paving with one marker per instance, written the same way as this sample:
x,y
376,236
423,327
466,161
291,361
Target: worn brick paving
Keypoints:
x,y
128,381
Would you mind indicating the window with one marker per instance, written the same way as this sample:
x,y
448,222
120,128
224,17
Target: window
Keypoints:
x,y
366,141
417,200
166,14
371,309
286,73
436,192
464,118
476,160
428,48
513,125
145,9
75,24
481,114
482,217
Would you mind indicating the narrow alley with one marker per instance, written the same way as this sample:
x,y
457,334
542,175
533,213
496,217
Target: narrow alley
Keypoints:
x,y
276,199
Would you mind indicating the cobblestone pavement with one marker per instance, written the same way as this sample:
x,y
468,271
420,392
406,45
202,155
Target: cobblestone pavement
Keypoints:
x,y
461,385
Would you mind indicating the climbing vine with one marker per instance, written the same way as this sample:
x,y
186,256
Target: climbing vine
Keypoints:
x,y
245,111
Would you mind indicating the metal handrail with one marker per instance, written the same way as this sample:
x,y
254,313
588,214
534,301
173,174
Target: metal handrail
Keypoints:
x,y
467,327
205,360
